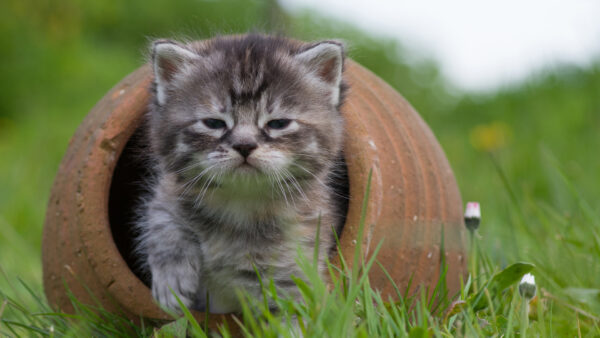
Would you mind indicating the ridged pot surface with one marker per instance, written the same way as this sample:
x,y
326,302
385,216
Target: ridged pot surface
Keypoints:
x,y
414,199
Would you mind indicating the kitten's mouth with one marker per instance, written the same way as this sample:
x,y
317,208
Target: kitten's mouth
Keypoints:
x,y
246,167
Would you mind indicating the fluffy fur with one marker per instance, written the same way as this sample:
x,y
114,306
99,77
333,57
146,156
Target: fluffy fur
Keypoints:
x,y
245,135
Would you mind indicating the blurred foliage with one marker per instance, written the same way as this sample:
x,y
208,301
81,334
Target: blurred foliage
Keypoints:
x,y
510,149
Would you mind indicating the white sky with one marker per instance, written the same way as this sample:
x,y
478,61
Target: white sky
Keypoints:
x,y
480,44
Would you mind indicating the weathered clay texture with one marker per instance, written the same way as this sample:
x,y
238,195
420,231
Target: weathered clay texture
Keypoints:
x,y
414,199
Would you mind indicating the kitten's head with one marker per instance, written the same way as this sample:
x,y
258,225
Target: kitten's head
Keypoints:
x,y
250,106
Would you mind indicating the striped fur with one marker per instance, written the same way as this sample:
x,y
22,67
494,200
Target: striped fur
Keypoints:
x,y
243,192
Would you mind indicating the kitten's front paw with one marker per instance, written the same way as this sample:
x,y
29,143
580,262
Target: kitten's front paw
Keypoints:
x,y
175,280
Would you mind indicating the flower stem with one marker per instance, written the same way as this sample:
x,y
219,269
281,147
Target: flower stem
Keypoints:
x,y
473,259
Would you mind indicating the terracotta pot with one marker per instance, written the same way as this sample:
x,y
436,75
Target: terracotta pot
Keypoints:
x,y
413,196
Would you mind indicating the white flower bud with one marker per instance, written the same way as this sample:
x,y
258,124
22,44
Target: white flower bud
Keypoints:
x,y
472,215
527,286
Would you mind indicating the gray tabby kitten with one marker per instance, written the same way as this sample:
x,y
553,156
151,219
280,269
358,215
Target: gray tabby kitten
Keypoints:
x,y
245,133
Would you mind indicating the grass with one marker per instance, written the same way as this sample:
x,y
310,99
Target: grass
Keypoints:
x,y
489,304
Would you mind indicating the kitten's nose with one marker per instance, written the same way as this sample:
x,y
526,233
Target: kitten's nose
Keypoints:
x,y
245,148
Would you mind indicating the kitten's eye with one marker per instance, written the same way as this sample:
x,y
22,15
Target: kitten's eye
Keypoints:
x,y
214,123
279,123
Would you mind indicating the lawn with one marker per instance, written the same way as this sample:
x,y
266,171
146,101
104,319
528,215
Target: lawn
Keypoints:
x,y
524,151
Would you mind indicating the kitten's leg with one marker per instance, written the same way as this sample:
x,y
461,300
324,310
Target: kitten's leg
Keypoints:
x,y
174,257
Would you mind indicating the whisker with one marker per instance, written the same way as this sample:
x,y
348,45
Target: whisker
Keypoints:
x,y
200,197
218,179
285,183
295,183
278,181
187,186
320,181
189,167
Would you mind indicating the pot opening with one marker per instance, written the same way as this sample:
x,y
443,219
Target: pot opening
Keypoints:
x,y
128,188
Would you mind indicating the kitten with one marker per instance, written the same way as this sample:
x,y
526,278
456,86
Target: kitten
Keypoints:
x,y
246,134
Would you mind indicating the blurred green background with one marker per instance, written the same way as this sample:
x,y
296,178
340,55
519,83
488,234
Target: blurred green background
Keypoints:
x,y
528,152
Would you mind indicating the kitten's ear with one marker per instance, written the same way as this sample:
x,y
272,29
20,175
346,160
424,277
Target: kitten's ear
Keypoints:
x,y
325,60
168,58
